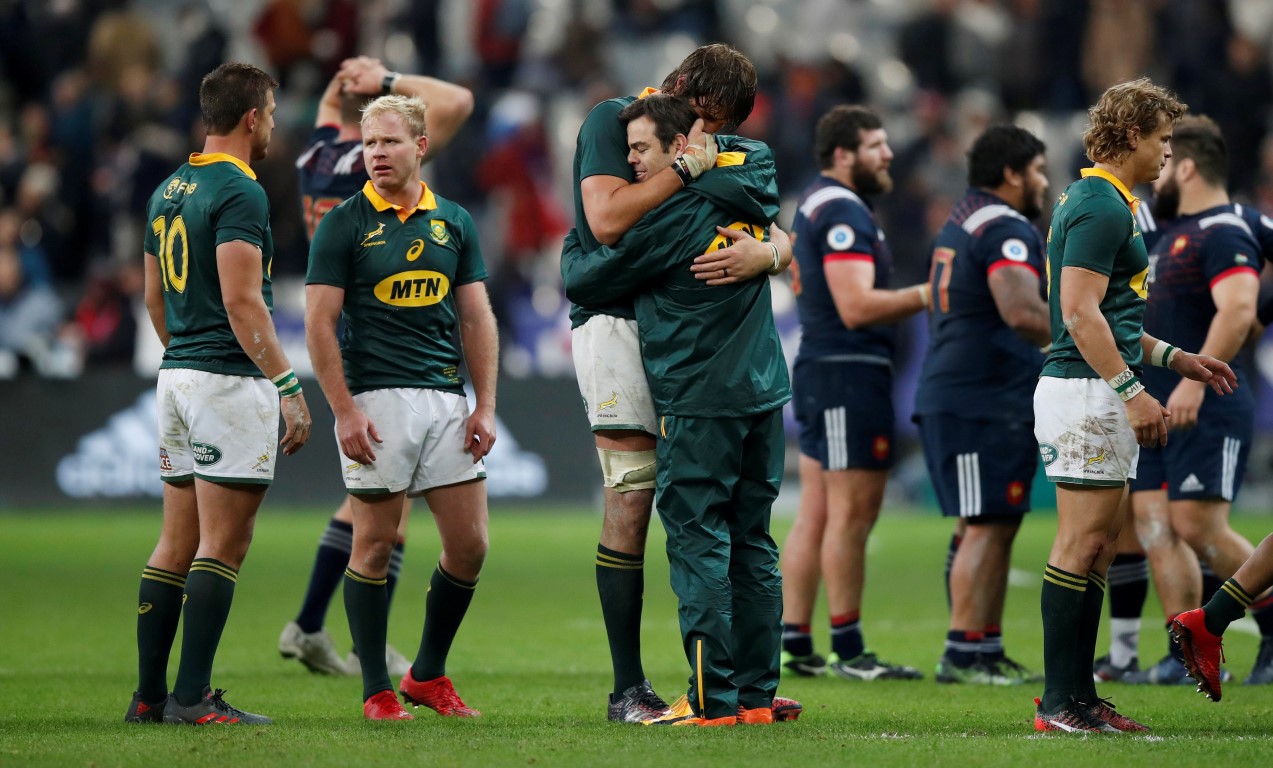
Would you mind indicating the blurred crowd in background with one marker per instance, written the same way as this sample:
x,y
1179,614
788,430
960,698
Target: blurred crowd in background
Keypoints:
x,y
99,102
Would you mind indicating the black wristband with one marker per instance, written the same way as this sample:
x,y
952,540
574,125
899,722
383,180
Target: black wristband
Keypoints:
x,y
386,85
683,171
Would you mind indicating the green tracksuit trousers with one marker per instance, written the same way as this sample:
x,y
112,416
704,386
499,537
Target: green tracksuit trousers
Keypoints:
x,y
717,481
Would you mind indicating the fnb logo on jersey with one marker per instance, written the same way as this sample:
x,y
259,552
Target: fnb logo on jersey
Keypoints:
x,y
177,185
417,288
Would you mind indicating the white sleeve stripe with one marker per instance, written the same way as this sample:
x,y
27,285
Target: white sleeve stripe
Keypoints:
x,y
303,159
345,164
988,214
1232,219
1145,218
824,196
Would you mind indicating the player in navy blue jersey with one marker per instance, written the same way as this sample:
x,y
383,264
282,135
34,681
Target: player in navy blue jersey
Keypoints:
x,y
1203,292
331,169
974,404
1129,574
843,383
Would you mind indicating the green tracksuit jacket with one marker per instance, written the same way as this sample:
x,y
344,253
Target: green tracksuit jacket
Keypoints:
x,y
719,379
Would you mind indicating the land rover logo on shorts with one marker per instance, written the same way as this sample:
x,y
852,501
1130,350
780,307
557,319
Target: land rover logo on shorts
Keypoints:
x,y
437,231
1047,452
206,455
417,288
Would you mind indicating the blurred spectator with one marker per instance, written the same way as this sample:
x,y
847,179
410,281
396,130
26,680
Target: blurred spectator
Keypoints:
x,y
1118,42
1229,95
523,220
29,308
501,25
103,327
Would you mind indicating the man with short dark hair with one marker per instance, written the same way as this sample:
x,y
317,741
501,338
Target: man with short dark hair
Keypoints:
x,y
719,459
1203,288
719,82
843,381
222,383
973,403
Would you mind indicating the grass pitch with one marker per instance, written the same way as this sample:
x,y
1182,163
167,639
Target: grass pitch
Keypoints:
x,y
532,656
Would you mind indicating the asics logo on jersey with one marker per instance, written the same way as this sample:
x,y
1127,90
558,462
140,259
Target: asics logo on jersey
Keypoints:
x,y
611,403
144,608
417,248
377,232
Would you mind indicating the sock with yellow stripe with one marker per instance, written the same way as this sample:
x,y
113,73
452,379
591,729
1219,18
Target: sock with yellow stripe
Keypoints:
x,y
367,608
1085,648
621,585
158,613
1062,599
1225,607
444,608
209,592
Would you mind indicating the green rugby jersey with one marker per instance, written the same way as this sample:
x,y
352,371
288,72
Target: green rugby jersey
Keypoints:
x,y
600,150
1094,227
398,268
709,351
212,199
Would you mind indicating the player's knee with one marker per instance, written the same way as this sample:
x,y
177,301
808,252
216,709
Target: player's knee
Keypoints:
x,y
627,470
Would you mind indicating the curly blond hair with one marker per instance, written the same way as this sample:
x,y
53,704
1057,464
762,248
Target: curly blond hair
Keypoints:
x,y
1133,104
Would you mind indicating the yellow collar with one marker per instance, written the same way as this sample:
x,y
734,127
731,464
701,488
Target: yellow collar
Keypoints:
x,y
647,92
199,158
427,201
1132,201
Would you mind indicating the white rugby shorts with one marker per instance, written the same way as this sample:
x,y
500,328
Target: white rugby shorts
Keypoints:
x,y
423,432
607,354
216,427
1083,433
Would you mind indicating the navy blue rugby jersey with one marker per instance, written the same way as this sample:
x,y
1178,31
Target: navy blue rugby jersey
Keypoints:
x,y
1191,256
977,367
331,171
834,224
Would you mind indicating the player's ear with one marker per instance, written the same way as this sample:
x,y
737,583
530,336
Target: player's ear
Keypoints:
x,y
1133,137
679,143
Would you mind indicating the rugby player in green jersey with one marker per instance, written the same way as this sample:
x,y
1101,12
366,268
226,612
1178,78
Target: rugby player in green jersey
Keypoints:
x,y
403,268
718,380
720,83
222,383
1091,411
329,171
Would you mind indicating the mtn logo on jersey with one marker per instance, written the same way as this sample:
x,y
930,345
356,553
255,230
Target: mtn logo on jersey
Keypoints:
x,y
840,237
417,288
367,239
438,233
1192,484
